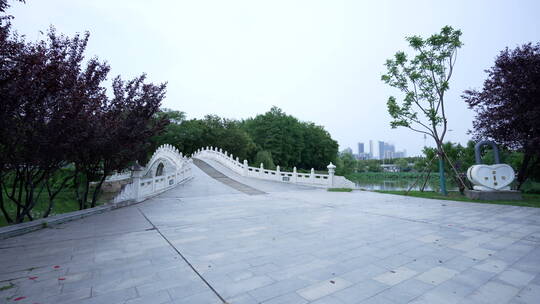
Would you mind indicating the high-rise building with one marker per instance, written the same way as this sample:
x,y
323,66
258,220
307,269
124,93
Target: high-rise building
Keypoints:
x,y
371,151
381,150
400,154
360,148
386,150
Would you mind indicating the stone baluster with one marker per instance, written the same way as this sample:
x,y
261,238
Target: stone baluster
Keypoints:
x,y
331,171
245,168
136,174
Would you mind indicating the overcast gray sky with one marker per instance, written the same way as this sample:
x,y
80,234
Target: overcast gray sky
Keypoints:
x,y
320,61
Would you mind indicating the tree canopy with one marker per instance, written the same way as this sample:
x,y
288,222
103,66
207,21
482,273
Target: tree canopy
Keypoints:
x,y
275,137
424,80
56,114
508,106
290,141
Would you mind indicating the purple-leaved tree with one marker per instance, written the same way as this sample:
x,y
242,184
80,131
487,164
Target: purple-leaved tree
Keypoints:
x,y
508,106
57,123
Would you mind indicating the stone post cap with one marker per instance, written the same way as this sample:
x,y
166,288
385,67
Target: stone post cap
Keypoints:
x,y
331,166
137,167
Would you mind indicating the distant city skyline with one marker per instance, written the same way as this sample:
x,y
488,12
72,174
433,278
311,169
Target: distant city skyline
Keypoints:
x,y
385,150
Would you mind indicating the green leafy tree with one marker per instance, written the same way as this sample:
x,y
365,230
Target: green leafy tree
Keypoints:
x,y
290,141
265,158
319,147
424,80
403,164
369,165
278,133
190,135
346,165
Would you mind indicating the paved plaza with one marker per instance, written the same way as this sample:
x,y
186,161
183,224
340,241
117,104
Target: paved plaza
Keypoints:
x,y
209,242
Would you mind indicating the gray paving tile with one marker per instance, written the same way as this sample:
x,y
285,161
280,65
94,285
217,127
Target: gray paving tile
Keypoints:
x,y
530,294
436,275
207,297
360,291
322,289
493,292
277,289
289,298
396,276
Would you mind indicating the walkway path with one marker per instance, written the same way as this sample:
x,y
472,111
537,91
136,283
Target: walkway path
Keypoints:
x,y
212,172
205,242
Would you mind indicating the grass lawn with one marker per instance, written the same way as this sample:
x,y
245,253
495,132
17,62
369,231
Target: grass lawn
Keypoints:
x,y
63,203
529,200
339,189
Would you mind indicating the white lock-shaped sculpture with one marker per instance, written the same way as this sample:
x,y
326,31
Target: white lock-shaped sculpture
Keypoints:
x,y
497,177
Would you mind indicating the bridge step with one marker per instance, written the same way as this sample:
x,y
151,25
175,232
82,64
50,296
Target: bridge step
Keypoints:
x,y
212,172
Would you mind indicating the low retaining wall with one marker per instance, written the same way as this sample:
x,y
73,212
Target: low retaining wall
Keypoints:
x,y
22,228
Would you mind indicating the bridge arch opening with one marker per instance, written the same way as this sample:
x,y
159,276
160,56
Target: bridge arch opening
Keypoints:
x,y
159,169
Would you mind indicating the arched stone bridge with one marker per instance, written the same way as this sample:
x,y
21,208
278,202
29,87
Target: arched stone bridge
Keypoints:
x,y
168,167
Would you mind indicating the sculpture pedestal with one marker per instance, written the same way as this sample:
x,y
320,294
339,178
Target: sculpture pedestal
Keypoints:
x,y
505,195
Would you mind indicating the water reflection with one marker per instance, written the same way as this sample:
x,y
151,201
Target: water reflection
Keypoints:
x,y
401,184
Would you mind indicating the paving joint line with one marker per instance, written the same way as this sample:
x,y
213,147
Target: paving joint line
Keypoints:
x,y
183,257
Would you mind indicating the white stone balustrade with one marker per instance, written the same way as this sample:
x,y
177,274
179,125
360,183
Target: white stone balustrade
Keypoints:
x,y
166,169
242,168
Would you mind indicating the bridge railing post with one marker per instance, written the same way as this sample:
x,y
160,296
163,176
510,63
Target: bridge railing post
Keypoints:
x,y
245,169
312,176
261,171
278,174
136,175
331,170
295,175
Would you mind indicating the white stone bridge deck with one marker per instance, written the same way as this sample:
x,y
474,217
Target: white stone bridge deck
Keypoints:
x,y
206,242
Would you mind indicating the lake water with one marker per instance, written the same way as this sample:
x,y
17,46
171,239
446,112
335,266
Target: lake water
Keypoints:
x,y
401,184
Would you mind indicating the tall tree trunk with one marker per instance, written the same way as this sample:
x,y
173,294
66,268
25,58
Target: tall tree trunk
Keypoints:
x,y
442,176
86,190
4,211
76,185
53,194
425,181
522,173
19,196
97,190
